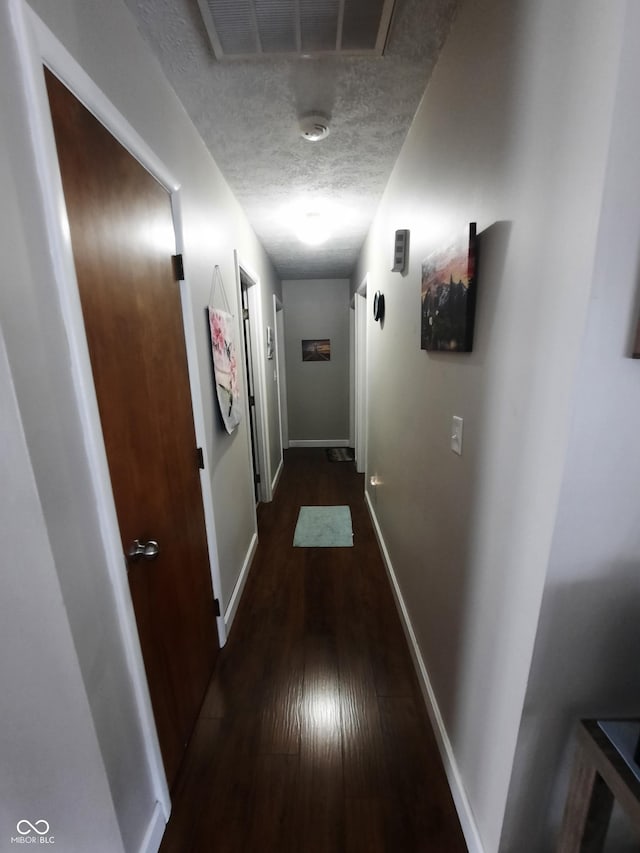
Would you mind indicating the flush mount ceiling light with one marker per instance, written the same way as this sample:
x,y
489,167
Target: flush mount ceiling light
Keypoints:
x,y
313,228
314,221
314,127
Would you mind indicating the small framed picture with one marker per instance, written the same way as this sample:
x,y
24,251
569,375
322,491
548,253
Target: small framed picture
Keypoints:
x,y
316,349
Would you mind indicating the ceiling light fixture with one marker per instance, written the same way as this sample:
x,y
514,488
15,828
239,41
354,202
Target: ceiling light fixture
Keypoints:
x,y
315,220
313,228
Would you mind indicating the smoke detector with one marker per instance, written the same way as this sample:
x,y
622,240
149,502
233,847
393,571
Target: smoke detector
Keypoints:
x,y
313,128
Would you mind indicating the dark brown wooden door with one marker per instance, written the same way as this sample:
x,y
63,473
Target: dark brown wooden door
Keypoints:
x,y
123,238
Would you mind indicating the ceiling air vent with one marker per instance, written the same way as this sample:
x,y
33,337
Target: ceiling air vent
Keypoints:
x,y
241,29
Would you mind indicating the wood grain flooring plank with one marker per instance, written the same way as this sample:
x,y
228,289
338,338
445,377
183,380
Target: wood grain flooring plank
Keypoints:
x,y
394,672
225,820
321,743
364,826
320,591
363,746
239,679
181,835
280,714
320,801
420,812
271,811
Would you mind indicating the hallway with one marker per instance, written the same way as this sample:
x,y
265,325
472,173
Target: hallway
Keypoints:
x,y
313,735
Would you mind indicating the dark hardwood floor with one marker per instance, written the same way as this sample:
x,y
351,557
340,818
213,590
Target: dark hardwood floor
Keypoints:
x,y
313,736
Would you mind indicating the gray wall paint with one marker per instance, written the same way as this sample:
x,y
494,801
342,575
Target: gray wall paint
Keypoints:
x,y
584,663
317,392
40,361
46,732
513,133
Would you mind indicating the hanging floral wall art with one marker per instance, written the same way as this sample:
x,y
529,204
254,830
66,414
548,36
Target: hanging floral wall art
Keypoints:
x,y
225,366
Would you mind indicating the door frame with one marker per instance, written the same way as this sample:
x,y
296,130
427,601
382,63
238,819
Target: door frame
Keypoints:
x,y
38,47
360,380
277,359
251,389
281,371
258,350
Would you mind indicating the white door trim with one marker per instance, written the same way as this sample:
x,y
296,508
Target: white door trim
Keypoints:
x,y
258,349
360,347
281,372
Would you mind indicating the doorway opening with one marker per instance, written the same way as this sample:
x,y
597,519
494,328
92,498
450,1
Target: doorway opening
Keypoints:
x,y
281,374
360,353
254,359
251,385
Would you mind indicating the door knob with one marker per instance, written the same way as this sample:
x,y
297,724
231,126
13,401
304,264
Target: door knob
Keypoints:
x,y
143,550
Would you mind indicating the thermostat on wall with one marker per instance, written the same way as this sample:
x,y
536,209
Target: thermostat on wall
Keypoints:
x,y
400,250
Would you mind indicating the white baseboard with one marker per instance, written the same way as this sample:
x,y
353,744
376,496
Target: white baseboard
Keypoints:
x,y
329,442
465,814
276,479
153,836
230,612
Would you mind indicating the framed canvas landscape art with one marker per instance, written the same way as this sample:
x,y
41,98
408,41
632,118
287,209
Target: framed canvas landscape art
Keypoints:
x,y
636,346
316,349
448,294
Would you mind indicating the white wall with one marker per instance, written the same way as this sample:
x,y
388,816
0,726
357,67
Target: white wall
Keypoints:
x,y
589,632
103,38
512,133
52,769
317,392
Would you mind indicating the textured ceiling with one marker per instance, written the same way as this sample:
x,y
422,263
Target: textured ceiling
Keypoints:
x,y
247,112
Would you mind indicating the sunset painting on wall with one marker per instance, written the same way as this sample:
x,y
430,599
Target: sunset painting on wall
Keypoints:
x,y
449,294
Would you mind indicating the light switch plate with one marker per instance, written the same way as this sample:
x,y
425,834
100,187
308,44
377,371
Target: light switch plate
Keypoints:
x,y
456,435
